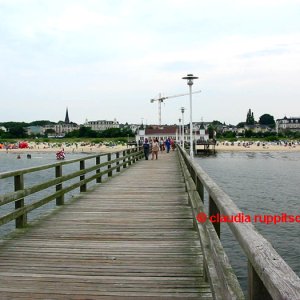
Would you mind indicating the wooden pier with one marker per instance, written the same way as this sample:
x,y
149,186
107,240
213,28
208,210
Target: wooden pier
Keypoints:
x,y
133,236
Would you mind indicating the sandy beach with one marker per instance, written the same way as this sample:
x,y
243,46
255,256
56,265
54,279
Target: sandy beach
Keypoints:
x,y
96,148
267,147
68,148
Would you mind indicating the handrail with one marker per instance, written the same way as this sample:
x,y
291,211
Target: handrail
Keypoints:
x,y
123,159
269,276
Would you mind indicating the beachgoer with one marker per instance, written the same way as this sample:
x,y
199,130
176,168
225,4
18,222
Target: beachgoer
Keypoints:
x,y
146,147
168,144
162,145
155,148
172,144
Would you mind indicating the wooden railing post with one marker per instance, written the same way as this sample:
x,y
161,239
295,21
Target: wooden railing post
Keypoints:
x,y
213,212
58,173
21,221
118,163
124,160
129,158
133,156
256,288
200,188
82,177
98,161
109,174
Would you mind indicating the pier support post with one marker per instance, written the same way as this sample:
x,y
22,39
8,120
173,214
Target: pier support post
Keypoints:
x,y
214,211
82,177
21,221
256,288
118,163
124,160
99,178
58,173
199,188
129,158
109,174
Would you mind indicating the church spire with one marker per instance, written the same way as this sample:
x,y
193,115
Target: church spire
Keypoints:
x,y
67,120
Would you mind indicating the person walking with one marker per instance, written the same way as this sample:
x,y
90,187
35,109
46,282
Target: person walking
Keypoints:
x,y
155,148
168,144
146,147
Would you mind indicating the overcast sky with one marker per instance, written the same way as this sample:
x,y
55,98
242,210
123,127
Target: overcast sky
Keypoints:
x,y
107,59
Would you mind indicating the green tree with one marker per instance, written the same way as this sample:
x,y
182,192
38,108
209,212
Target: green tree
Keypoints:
x,y
248,133
241,125
41,123
250,118
16,131
267,119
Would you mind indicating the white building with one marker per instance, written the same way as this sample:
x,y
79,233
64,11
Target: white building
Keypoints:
x,y
101,125
291,124
61,129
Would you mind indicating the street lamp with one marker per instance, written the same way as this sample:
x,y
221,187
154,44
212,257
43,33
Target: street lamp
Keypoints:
x,y
182,129
179,133
190,79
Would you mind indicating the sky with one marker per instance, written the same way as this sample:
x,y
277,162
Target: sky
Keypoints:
x,y
105,59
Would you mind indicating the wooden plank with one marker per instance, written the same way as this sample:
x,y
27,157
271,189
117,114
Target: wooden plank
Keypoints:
x,y
131,237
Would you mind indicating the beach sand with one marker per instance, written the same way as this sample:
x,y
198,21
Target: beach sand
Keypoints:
x,y
72,148
93,149
256,148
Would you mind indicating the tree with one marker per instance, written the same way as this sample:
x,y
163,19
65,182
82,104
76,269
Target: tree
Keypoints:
x,y
17,131
250,118
267,119
248,133
241,125
216,123
41,123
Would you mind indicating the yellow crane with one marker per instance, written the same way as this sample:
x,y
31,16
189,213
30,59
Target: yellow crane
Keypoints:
x,y
161,99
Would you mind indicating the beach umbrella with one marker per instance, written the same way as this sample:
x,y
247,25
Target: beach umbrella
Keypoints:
x,y
23,145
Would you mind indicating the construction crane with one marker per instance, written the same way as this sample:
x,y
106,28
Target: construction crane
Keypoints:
x,y
161,99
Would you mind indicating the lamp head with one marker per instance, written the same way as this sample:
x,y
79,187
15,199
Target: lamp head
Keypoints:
x,y
190,78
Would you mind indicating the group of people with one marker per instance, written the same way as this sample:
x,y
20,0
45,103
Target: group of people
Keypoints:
x,y
155,145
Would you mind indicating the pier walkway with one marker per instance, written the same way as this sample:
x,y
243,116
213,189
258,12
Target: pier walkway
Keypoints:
x,y
130,237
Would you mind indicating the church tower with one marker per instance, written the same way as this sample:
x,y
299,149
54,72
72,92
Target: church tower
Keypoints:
x,y
67,120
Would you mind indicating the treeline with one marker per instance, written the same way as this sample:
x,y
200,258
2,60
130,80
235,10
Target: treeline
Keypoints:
x,y
16,130
267,136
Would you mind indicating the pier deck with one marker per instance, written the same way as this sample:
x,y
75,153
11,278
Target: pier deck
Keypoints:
x,y
130,237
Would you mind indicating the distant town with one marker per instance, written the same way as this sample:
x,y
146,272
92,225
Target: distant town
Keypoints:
x,y
264,127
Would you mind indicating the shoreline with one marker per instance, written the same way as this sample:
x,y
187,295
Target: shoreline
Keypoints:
x,y
106,149
255,148
67,149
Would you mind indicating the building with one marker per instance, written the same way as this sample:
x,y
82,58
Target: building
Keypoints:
x,y
155,131
203,134
171,131
101,125
288,124
62,128
3,128
256,128
35,130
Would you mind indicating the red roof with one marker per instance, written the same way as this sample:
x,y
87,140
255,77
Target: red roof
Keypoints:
x,y
162,130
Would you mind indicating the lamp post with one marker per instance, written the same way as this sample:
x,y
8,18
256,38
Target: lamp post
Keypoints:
x,y
190,79
179,133
182,129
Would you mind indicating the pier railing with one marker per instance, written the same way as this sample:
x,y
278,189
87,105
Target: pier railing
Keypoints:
x,y
101,165
269,276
